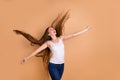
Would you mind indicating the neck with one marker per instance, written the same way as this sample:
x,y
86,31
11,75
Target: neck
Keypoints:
x,y
54,38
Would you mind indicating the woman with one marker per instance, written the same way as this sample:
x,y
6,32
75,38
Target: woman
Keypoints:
x,y
51,46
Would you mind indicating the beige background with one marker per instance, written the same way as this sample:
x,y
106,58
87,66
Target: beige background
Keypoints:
x,y
94,55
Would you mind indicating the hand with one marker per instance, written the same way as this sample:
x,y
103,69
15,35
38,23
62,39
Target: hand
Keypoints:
x,y
23,61
88,27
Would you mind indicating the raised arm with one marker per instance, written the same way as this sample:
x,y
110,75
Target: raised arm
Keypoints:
x,y
44,46
64,37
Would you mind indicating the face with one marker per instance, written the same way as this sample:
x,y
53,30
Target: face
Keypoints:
x,y
51,31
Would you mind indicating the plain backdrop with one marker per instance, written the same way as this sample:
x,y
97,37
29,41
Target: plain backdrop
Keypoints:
x,y
94,55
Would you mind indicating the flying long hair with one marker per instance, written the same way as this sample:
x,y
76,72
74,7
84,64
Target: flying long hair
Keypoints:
x,y
58,25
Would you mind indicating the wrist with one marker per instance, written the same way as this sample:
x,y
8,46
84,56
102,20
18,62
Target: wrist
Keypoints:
x,y
26,58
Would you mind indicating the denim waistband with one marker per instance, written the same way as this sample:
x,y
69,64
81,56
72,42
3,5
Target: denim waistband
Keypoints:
x,y
55,63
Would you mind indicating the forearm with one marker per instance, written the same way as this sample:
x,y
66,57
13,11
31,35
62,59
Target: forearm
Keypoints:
x,y
33,54
75,34
78,33
25,59
38,50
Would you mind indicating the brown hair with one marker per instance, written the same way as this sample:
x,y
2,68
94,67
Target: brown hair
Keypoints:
x,y
57,24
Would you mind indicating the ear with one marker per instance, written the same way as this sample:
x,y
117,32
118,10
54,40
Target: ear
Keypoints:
x,y
55,33
48,34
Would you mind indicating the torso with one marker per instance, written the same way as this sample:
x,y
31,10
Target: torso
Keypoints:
x,y
57,50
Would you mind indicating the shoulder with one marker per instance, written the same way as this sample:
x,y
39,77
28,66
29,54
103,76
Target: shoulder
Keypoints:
x,y
61,37
48,43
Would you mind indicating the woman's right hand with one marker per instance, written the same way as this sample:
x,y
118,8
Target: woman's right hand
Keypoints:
x,y
23,61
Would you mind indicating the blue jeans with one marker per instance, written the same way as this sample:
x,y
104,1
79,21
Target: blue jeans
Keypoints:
x,y
56,70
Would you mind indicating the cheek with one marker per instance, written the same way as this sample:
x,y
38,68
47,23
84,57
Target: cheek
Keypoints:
x,y
50,32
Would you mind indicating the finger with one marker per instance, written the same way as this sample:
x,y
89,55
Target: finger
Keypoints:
x,y
20,62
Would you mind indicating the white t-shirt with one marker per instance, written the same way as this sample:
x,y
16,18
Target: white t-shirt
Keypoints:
x,y
57,50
